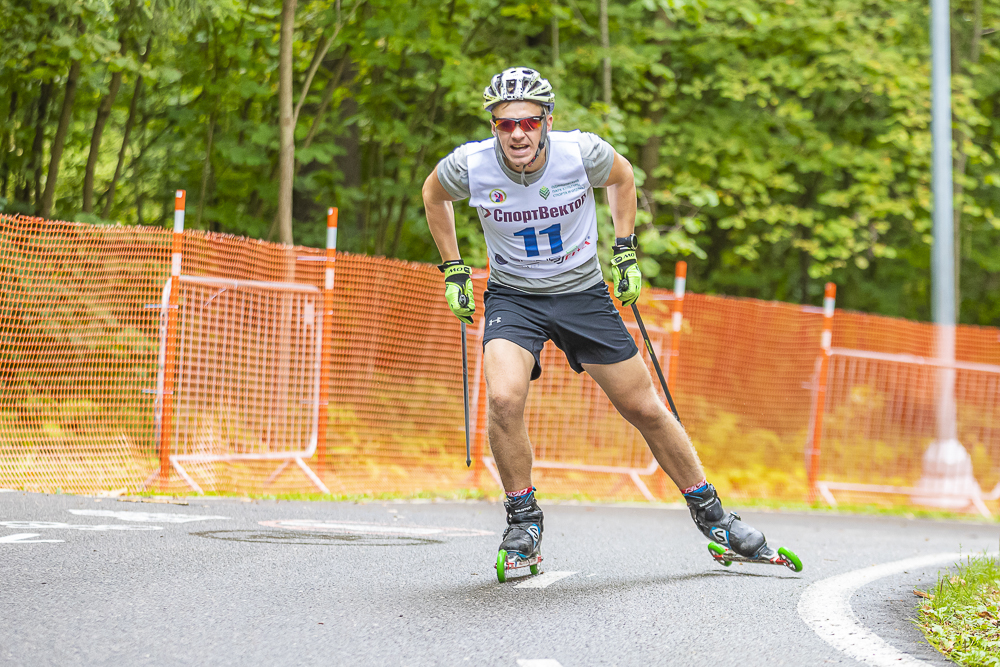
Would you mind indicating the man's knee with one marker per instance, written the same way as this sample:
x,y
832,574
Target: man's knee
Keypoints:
x,y
644,412
506,402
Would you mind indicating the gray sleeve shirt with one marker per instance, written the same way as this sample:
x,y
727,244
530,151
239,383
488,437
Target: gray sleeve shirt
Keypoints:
x,y
598,157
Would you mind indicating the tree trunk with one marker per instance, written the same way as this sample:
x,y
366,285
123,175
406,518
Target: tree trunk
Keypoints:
x,y
38,145
605,45
286,150
59,142
321,51
103,112
328,92
5,169
109,195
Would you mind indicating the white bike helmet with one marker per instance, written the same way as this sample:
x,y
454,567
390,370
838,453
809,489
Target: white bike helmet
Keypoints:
x,y
516,84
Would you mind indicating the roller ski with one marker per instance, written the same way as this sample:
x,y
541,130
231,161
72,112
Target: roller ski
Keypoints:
x,y
767,555
522,540
732,540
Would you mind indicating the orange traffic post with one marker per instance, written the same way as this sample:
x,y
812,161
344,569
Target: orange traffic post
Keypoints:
x,y
680,282
169,367
829,303
327,343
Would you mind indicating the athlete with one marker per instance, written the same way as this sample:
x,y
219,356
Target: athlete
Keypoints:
x,y
533,189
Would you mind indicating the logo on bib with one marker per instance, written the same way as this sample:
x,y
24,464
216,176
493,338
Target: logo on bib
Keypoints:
x,y
498,258
498,196
567,188
544,192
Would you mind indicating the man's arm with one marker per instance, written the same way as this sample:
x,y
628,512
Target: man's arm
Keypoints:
x,y
441,217
621,196
625,276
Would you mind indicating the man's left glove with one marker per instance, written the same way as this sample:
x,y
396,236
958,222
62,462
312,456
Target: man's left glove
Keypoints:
x,y
625,274
458,289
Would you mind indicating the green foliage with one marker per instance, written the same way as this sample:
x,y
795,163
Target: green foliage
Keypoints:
x,y
961,615
778,143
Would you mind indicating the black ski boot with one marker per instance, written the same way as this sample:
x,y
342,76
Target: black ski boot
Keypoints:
x,y
523,536
726,529
522,541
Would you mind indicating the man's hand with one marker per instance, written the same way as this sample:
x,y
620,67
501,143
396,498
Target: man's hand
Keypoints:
x,y
625,275
458,289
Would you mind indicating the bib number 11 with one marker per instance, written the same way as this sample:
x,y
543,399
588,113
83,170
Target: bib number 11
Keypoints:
x,y
531,241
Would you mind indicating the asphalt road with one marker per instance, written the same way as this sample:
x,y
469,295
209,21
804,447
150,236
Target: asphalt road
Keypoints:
x,y
90,581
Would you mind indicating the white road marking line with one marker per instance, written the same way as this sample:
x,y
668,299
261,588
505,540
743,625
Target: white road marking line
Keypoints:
x,y
538,662
826,608
544,579
147,517
35,525
23,538
8,490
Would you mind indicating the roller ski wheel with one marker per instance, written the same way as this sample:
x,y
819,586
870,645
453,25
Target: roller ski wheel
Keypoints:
x,y
507,563
767,555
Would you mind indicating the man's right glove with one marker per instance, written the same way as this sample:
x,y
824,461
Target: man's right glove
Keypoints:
x,y
625,275
458,289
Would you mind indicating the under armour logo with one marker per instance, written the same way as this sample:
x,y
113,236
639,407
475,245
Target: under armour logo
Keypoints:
x,y
497,320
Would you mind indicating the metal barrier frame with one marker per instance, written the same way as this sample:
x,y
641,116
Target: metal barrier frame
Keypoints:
x,y
813,442
169,313
286,457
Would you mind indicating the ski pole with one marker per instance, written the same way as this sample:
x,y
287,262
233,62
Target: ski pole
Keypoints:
x,y
652,355
465,385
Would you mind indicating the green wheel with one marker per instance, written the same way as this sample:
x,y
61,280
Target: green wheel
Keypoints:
x,y
796,564
533,568
502,566
714,548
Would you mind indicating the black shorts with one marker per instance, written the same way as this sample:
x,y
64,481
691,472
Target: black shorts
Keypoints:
x,y
584,325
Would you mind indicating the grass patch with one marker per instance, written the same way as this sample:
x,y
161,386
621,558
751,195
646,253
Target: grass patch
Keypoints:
x,y
961,615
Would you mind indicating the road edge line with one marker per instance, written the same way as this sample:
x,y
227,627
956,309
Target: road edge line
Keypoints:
x,y
826,608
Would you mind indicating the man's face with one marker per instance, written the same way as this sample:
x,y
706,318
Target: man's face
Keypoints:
x,y
519,146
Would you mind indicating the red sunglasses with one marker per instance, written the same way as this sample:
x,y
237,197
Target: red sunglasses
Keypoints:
x,y
526,124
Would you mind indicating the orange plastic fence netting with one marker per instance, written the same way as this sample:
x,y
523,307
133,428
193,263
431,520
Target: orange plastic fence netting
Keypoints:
x,y
82,387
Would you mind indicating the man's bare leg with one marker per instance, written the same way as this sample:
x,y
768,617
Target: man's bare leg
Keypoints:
x,y
630,388
508,369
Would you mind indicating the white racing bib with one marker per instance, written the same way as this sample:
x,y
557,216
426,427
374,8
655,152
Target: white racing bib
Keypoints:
x,y
541,230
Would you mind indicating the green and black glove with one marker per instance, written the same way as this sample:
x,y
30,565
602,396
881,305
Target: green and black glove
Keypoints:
x,y
624,270
458,289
